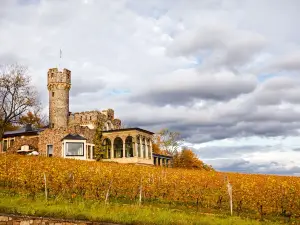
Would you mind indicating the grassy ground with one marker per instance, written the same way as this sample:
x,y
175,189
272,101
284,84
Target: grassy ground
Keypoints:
x,y
116,213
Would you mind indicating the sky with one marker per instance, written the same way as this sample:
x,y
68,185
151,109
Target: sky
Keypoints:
x,y
224,73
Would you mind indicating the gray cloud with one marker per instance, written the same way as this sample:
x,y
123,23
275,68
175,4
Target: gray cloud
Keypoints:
x,y
281,89
246,166
218,45
86,86
186,87
211,152
288,62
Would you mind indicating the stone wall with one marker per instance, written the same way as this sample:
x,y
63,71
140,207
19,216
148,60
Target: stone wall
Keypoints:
x,y
90,119
117,123
86,118
54,137
24,220
32,141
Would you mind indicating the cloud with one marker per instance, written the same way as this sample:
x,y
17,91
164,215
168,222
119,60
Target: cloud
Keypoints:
x,y
290,62
249,159
281,89
186,86
218,45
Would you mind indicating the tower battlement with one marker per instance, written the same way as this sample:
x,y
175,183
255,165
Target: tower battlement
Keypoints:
x,y
59,85
56,76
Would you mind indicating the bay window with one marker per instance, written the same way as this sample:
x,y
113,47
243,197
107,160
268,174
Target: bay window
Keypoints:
x,y
74,149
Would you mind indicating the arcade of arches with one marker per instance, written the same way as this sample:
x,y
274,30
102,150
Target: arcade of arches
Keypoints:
x,y
127,146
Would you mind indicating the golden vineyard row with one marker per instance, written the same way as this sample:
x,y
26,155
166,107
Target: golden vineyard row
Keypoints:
x,y
93,180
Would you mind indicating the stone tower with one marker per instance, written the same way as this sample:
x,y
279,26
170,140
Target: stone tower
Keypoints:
x,y
59,84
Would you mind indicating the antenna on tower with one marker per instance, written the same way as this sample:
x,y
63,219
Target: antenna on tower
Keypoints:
x,y
60,58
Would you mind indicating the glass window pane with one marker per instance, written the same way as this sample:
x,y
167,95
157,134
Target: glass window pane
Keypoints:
x,y
89,152
4,145
74,149
93,152
11,142
49,150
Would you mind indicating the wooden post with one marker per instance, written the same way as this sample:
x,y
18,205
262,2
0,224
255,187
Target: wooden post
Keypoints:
x,y
229,188
107,193
141,188
46,192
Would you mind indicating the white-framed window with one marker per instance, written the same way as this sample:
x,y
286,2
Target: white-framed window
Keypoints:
x,y
11,142
49,150
74,149
89,151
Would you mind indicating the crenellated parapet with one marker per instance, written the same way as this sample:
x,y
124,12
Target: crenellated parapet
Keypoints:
x,y
92,118
59,79
110,113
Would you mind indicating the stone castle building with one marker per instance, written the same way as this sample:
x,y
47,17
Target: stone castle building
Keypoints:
x,y
72,135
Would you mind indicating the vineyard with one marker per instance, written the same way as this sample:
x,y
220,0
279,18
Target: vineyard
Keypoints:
x,y
259,195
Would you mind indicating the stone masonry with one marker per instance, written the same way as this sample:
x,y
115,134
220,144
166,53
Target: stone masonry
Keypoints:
x,y
26,220
90,119
54,136
31,141
59,84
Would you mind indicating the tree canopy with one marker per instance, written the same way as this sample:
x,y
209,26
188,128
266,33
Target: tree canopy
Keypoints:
x,y
167,142
35,118
188,159
17,95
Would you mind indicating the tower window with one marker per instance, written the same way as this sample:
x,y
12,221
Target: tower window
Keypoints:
x,y
53,94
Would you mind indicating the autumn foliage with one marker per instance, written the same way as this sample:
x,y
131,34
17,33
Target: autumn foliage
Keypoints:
x,y
256,194
33,118
189,160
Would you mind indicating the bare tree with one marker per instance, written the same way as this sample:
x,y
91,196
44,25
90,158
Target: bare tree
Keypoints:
x,y
17,96
169,141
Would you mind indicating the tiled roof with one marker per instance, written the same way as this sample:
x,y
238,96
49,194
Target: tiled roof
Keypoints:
x,y
129,129
73,137
27,129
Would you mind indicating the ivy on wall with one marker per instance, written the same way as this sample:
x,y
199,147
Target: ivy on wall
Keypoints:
x,y
100,153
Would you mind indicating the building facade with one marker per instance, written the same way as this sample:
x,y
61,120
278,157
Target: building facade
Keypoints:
x,y
72,135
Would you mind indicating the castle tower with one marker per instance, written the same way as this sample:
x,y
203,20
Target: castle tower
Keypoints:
x,y
59,85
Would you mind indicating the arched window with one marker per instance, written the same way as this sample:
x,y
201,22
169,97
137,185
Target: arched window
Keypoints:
x,y
118,148
106,148
129,147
